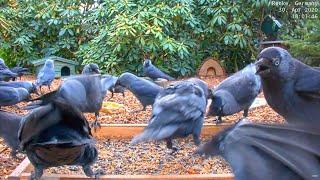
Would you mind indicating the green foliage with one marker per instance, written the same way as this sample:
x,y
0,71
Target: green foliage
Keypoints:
x,y
307,47
118,34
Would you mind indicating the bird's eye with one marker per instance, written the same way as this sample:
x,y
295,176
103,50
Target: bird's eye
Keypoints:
x,y
276,62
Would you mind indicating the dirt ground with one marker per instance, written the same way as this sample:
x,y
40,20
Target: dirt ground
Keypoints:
x,y
147,158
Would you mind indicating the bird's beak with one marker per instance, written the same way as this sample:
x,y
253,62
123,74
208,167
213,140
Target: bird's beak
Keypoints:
x,y
97,71
262,67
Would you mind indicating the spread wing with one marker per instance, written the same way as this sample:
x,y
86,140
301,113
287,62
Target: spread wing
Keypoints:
x,y
273,151
172,109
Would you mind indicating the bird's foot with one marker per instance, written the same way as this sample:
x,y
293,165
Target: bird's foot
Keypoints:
x,y
95,125
98,173
218,121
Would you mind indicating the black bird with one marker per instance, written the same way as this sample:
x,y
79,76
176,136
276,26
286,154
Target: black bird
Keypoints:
x,y
46,74
9,127
153,72
90,69
108,83
177,112
203,85
57,134
290,87
144,90
20,71
84,92
236,93
10,96
265,151
28,85
5,72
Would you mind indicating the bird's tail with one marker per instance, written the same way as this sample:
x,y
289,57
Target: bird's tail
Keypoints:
x,y
155,134
42,100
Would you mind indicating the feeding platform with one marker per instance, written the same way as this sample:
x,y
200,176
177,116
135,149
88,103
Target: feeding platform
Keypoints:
x,y
124,131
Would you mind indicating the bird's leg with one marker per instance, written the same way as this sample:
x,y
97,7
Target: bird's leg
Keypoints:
x,y
170,146
40,87
196,139
123,94
37,173
96,123
245,113
49,86
219,120
88,172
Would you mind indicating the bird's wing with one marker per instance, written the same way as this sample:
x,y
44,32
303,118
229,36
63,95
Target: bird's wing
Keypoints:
x,y
45,77
273,151
8,95
37,121
144,88
308,82
154,71
171,107
172,111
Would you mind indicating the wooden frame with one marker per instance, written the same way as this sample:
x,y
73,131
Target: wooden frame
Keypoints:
x,y
124,131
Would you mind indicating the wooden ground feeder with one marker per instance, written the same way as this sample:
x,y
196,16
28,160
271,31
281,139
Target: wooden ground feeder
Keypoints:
x,y
211,68
127,131
124,131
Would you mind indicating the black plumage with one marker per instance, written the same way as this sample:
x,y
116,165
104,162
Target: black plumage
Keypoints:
x,y
84,92
5,72
236,93
265,151
46,74
108,83
57,134
9,127
203,85
177,112
144,90
11,96
20,71
290,87
153,72
90,69
29,86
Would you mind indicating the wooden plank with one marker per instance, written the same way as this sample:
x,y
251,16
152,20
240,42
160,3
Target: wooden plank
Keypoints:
x,y
123,131
127,131
20,169
137,177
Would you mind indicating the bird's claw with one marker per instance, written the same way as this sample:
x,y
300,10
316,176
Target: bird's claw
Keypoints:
x,y
95,125
98,173
218,121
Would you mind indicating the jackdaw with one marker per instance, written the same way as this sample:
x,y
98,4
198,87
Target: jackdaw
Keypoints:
x,y
290,87
264,152
83,91
20,71
9,127
108,83
178,111
5,72
57,134
236,93
11,96
90,69
46,74
203,85
28,85
153,72
144,90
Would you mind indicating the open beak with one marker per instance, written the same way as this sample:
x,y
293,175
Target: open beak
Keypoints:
x,y
262,67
